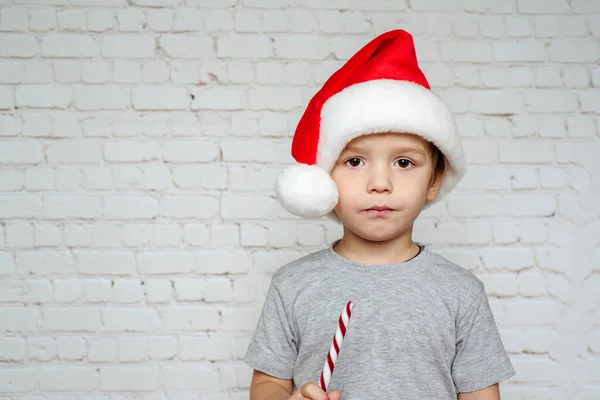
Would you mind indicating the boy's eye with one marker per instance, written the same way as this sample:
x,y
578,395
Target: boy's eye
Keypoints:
x,y
354,162
404,163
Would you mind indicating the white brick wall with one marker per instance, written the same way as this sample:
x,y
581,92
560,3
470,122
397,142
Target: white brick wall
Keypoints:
x,y
139,142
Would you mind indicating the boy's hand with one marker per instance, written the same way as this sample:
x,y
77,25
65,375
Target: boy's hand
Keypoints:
x,y
312,391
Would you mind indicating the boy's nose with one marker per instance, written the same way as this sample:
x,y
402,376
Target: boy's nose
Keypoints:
x,y
380,181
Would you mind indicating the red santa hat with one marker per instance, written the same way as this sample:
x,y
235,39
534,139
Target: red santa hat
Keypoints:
x,y
380,89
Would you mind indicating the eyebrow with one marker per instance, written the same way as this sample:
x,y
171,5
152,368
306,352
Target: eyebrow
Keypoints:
x,y
396,149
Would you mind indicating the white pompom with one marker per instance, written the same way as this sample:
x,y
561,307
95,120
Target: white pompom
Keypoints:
x,y
306,191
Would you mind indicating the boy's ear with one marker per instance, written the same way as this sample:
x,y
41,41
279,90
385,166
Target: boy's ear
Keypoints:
x,y
434,187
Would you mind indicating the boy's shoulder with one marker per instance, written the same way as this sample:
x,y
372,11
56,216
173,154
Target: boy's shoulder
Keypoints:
x,y
300,269
453,276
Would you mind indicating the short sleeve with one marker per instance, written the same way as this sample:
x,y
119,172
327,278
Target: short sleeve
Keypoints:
x,y
480,359
273,348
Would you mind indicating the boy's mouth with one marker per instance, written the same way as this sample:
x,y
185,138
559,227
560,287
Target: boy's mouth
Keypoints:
x,y
379,211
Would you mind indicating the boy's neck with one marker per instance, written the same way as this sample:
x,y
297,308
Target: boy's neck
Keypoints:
x,y
393,251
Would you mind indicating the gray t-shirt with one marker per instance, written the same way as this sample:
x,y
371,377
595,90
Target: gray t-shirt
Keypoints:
x,y
422,329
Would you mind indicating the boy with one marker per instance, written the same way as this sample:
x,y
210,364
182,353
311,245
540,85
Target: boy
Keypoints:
x,y
374,148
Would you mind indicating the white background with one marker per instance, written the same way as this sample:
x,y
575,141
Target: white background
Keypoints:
x,y
139,141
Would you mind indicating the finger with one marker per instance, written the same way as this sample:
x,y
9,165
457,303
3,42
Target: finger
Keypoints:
x,y
335,395
313,391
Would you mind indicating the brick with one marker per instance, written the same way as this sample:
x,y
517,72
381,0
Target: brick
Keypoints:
x,y
42,19
102,98
217,21
207,176
497,102
530,205
222,261
520,51
68,46
576,77
43,96
227,98
11,72
218,290
12,349
10,291
14,19
533,312
132,349
102,350
44,263
155,72
120,263
128,46
16,45
100,20
550,101
6,98
239,319
520,151
96,72
548,76
158,291
574,50
523,178
284,99
166,262
532,284
41,348
20,207
253,151
130,20
184,151
196,234
177,46
474,206
162,347
71,319
253,235
67,290
18,380
61,378
301,48
242,46
581,127
71,348
589,101
190,318
511,259
74,151
160,98
97,290
466,51
131,151
543,7
20,152
127,291
248,207
71,207
9,126
189,289
129,319
11,181
187,20
198,207
129,378
37,291
196,377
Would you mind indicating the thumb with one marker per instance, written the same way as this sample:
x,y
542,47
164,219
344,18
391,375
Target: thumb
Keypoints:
x,y
335,395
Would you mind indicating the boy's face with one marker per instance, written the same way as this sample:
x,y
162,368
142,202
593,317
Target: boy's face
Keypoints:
x,y
391,170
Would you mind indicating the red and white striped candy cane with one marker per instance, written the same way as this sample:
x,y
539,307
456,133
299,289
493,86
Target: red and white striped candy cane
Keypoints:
x,y
336,344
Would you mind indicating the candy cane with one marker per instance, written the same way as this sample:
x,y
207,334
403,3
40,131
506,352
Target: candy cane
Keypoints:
x,y
336,344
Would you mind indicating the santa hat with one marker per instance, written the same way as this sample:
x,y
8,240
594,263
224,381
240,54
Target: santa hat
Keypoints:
x,y
380,89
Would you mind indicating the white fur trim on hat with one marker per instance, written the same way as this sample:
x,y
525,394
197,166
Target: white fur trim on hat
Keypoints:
x,y
306,190
387,105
